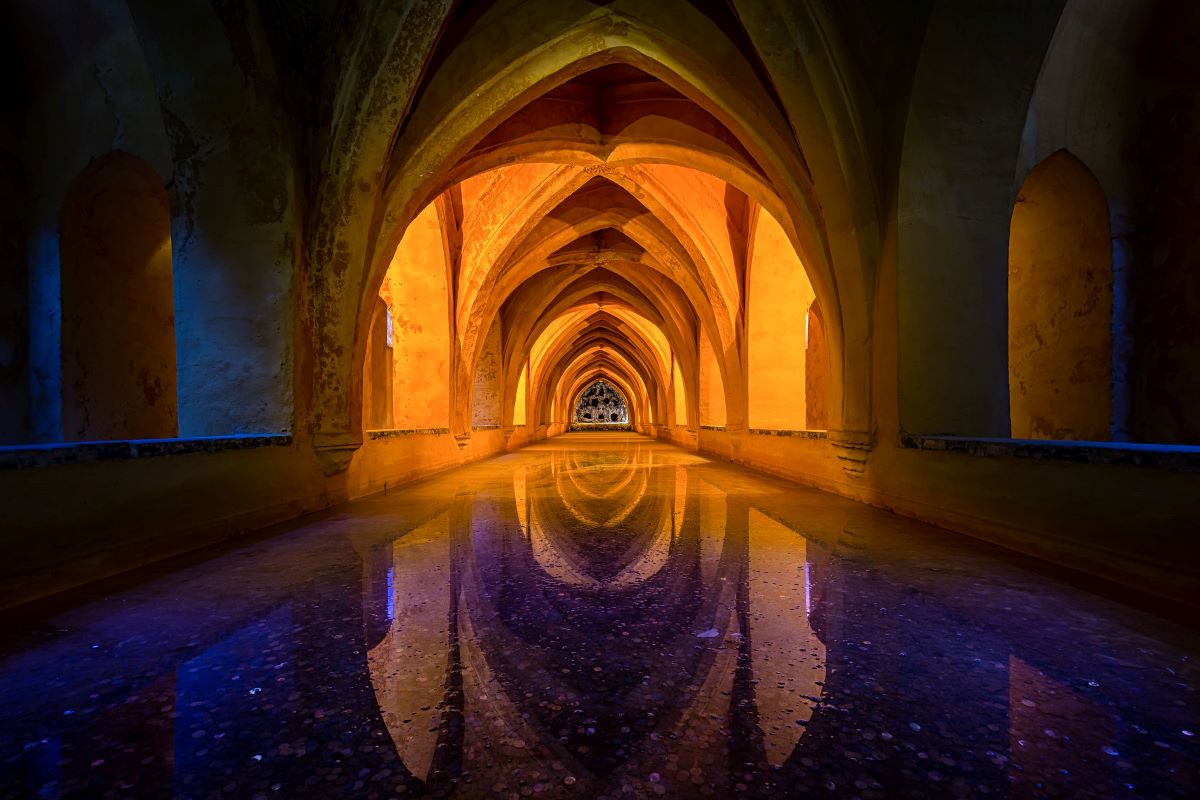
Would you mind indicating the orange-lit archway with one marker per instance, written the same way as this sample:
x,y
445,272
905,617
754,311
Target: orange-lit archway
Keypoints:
x,y
617,165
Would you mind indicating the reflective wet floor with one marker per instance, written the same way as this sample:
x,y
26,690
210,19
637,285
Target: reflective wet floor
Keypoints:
x,y
600,616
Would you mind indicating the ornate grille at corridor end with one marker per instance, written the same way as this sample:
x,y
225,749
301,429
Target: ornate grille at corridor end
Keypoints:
x,y
601,403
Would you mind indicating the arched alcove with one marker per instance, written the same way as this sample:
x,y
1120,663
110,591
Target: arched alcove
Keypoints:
x,y
1060,305
778,289
416,289
960,144
487,387
816,371
118,317
378,376
712,389
680,390
521,400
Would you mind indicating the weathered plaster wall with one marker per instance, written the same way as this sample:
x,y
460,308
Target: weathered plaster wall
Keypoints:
x,y
679,394
1117,89
1134,525
97,79
234,223
520,399
1088,101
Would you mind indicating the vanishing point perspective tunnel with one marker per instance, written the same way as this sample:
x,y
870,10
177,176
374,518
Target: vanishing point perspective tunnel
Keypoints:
x,y
599,398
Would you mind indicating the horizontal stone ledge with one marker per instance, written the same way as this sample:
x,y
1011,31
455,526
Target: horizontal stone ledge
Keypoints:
x,y
1173,457
390,433
799,434
33,456
600,426
718,428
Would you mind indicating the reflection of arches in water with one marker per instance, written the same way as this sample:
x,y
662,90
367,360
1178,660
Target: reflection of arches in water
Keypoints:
x,y
561,567
606,515
594,473
550,535
601,538
472,597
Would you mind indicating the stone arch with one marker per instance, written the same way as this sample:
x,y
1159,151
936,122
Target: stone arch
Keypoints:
x,y
549,301
443,125
622,330
955,192
518,256
234,202
118,313
595,350
1060,304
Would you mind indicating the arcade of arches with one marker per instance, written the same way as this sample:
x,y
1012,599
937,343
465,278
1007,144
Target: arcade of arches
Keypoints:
x,y
830,241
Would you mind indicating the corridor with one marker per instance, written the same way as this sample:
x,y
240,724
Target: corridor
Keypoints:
x,y
600,615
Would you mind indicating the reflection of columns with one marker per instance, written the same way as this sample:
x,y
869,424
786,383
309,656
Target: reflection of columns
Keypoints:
x,y
746,737
378,593
447,762
416,668
789,659
408,665
779,665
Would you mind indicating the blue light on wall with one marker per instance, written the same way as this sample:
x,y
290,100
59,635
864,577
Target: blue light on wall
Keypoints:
x,y
391,593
